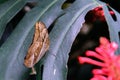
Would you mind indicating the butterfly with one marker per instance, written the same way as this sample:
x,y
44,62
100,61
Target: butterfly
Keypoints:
x,y
39,46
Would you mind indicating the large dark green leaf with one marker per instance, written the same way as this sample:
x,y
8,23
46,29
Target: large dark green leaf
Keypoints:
x,y
62,36
13,51
8,10
114,26
32,0
2,1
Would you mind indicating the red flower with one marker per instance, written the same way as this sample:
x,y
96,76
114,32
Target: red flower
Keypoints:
x,y
109,62
97,14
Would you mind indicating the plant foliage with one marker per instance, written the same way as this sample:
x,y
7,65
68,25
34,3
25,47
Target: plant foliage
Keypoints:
x,y
66,23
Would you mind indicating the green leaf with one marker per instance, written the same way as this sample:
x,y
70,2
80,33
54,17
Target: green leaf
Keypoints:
x,y
62,36
32,0
113,26
8,10
13,51
2,1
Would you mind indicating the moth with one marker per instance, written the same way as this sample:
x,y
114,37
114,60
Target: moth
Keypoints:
x,y
39,46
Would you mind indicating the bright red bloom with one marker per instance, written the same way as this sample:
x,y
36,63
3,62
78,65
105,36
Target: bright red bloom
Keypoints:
x,y
109,62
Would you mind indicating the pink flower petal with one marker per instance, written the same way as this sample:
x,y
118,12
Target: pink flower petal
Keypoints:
x,y
90,61
94,54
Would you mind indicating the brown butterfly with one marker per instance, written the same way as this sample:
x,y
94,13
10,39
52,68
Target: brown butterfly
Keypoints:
x,y
39,45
